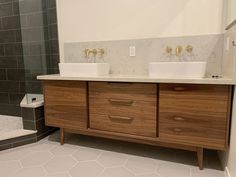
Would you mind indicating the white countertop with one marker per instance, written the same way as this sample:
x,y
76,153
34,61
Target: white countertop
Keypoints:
x,y
144,79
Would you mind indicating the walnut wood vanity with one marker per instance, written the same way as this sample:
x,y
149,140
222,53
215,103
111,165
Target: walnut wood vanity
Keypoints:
x,y
184,116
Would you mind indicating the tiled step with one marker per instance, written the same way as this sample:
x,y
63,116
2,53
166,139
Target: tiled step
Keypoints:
x,y
17,138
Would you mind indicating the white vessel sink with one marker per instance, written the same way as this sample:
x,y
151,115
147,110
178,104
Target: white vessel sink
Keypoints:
x,y
83,69
177,69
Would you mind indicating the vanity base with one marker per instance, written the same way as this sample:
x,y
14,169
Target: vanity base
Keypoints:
x,y
135,139
191,117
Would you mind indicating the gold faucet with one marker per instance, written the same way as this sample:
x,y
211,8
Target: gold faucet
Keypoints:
x,y
88,52
178,50
101,52
189,49
169,50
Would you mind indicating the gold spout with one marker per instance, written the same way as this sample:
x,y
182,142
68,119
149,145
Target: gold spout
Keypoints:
x,y
169,50
178,50
88,52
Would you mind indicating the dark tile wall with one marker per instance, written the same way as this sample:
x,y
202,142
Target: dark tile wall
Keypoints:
x,y
40,40
11,59
33,119
28,47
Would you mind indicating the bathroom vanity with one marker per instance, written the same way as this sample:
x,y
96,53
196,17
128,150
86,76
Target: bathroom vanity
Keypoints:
x,y
190,115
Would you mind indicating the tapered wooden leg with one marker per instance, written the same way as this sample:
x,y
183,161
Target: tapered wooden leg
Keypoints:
x,y
62,136
200,157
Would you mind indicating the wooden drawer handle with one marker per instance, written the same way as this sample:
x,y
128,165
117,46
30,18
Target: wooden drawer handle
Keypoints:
x,y
120,118
120,84
177,130
120,101
179,88
178,118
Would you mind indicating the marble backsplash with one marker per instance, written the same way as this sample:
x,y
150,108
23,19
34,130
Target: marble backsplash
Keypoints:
x,y
205,48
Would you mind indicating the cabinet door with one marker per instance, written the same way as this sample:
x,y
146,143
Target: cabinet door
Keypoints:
x,y
66,104
128,108
195,114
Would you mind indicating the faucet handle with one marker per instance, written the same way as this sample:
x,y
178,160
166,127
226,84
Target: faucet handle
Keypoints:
x,y
86,52
101,52
169,50
189,49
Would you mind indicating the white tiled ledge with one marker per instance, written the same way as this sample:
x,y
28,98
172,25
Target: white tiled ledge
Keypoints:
x,y
15,134
144,79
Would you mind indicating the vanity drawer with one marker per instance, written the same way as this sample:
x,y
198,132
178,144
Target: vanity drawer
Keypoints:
x,y
124,115
194,114
193,128
120,90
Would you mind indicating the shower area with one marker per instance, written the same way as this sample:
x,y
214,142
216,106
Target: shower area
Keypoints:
x,y
28,47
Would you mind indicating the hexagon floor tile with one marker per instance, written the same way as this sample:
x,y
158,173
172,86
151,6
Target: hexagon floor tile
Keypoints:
x,y
89,169
36,159
31,171
141,165
111,159
9,168
60,164
117,172
102,158
85,154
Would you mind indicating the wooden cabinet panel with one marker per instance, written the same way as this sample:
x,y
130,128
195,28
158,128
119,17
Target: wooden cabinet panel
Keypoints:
x,y
130,91
123,108
66,104
194,114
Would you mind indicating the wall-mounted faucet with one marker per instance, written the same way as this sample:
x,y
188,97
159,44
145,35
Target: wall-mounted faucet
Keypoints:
x,y
169,50
88,52
179,50
189,49
101,52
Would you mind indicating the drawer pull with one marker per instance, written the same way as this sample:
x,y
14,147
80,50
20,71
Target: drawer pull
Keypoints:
x,y
179,88
120,118
179,118
178,130
120,101
120,84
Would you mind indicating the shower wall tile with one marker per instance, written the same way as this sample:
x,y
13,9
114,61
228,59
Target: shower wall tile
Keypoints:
x,y
39,47
3,75
12,22
28,47
206,48
11,60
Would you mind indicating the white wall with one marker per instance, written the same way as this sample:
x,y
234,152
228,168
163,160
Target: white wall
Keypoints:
x,y
231,165
231,155
231,11
93,20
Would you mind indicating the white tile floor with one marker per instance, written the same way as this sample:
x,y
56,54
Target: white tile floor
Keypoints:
x,y
83,156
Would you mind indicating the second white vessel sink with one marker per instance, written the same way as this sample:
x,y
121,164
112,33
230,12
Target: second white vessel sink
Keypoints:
x,y
177,69
83,69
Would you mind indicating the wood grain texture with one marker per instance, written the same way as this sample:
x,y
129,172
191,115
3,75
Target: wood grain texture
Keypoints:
x,y
123,108
66,104
132,138
194,114
128,91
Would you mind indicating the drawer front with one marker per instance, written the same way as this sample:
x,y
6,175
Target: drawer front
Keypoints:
x,y
194,114
130,91
66,104
124,108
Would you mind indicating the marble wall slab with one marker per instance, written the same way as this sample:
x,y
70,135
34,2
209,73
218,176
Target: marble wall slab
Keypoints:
x,y
229,54
205,48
